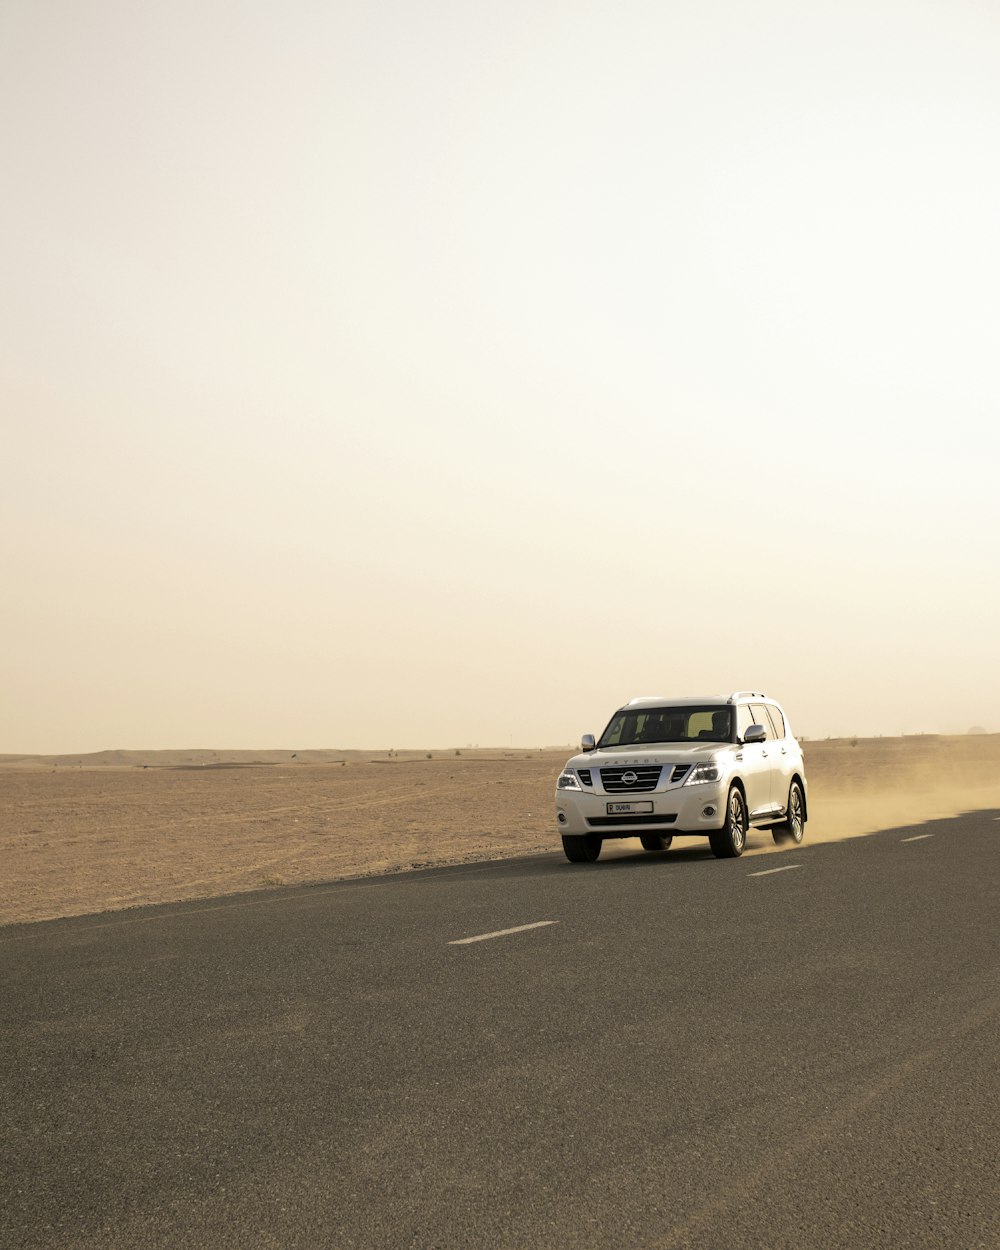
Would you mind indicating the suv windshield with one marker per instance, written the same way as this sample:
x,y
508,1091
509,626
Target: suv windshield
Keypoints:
x,y
643,726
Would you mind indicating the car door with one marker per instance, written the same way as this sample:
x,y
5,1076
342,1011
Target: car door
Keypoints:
x,y
771,756
755,764
771,759
783,759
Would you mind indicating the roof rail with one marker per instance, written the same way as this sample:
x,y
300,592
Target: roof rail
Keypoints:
x,y
746,694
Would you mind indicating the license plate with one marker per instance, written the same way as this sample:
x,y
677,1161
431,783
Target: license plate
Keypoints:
x,y
629,809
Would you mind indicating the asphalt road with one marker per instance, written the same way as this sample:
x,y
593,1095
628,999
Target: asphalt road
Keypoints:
x,y
688,1055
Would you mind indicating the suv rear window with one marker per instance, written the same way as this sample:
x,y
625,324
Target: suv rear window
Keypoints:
x,y
760,717
643,726
777,719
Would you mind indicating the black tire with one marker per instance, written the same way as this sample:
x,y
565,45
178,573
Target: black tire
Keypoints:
x,y
655,841
790,832
582,848
729,841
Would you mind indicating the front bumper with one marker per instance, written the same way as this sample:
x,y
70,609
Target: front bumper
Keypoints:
x,y
681,809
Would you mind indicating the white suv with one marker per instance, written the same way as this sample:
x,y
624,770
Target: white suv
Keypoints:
x,y
709,767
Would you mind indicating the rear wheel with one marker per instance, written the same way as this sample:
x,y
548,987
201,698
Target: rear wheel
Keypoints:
x,y
794,825
655,841
729,841
582,848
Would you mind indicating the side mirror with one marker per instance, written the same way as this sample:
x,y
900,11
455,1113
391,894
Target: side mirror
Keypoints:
x,y
587,742
756,733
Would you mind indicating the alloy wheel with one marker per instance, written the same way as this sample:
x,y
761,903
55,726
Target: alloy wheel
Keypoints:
x,y
736,828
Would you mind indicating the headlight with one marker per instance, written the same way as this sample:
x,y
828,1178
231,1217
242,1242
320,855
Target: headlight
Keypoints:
x,y
701,773
568,781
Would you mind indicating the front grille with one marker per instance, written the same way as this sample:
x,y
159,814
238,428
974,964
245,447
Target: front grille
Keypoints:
x,y
646,779
679,773
584,775
607,822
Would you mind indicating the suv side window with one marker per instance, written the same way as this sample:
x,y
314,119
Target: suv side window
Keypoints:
x,y
744,719
777,720
760,717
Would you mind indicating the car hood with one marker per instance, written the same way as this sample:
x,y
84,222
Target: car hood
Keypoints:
x,y
668,753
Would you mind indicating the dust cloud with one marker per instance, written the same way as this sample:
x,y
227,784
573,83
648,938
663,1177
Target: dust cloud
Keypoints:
x,y
863,786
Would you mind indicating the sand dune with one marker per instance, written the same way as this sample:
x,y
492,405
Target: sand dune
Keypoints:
x,y
81,834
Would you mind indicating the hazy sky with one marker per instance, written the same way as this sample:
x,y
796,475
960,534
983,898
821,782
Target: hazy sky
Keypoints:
x,y
427,373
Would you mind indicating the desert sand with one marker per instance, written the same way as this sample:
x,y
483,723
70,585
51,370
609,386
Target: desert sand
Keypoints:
x,y
119,829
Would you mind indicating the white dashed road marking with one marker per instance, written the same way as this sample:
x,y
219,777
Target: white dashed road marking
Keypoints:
x,y
482,937
767,872
919,837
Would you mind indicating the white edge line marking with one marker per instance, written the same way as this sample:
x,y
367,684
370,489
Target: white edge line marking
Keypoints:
x,y
767,872
483,937
919,837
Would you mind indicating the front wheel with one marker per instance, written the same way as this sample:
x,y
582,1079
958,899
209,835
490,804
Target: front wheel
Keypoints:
x,y
655,841
729,841
582,848
794,826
